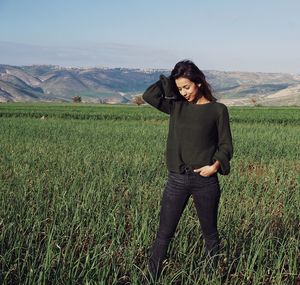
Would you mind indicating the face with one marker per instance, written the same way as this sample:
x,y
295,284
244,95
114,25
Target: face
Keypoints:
x,y
187,88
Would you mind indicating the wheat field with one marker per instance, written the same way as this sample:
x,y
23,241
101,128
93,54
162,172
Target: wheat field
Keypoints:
x,y
81,187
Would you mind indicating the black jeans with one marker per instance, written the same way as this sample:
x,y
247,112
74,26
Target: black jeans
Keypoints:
x,y
206,196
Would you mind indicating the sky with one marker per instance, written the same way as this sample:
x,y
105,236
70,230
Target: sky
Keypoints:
x,y
225,35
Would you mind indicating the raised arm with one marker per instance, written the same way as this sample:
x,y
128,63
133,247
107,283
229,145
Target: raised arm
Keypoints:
x,y
225,147
155,96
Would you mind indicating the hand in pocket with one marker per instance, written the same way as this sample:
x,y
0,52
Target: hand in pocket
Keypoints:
x,y
206,170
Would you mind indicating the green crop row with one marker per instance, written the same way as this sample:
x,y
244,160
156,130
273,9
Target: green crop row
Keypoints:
x,y
80,201
280,115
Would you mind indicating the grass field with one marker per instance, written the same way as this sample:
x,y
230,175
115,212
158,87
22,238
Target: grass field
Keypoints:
x,y
81,189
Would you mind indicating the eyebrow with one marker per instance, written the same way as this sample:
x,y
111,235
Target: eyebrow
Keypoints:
x,y
184,85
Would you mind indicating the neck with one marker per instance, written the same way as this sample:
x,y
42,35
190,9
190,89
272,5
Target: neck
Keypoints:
x,y
196,100
200,99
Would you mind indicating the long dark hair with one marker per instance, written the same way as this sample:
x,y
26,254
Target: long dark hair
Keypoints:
x,y
188,69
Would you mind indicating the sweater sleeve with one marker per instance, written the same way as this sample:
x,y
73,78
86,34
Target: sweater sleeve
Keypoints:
x,y
155,97
225,148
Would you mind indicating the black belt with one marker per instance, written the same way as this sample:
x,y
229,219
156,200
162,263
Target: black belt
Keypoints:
x,y
188,170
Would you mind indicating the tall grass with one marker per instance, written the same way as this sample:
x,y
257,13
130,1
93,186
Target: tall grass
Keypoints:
x,y
80,198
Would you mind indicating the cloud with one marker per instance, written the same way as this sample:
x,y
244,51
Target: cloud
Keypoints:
x,y
101,54
141,56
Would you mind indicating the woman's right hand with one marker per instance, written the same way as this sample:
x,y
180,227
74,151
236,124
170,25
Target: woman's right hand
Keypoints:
x,y
169,87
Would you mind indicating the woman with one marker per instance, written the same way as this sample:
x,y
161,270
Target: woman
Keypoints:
x,y
199,146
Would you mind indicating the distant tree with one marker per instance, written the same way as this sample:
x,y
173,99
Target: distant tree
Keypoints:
x,y
102,101
138,100
254,101
77,99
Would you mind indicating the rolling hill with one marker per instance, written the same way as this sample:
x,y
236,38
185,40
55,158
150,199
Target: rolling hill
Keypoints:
x,y
120,85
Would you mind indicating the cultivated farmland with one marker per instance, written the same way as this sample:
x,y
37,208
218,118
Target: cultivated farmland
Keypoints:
x,y
81,187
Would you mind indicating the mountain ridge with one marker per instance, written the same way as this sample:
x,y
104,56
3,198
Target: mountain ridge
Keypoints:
x,y
121,85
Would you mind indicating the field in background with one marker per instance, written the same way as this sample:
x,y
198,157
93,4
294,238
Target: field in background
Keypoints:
x,y
81,188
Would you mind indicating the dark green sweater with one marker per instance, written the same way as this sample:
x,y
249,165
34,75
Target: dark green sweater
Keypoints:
x,y
198,134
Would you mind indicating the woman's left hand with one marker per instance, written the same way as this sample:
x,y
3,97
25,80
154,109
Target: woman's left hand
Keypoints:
x,y
206,170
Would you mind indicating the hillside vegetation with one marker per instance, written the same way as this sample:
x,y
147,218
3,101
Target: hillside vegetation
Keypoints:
x,y
120,85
